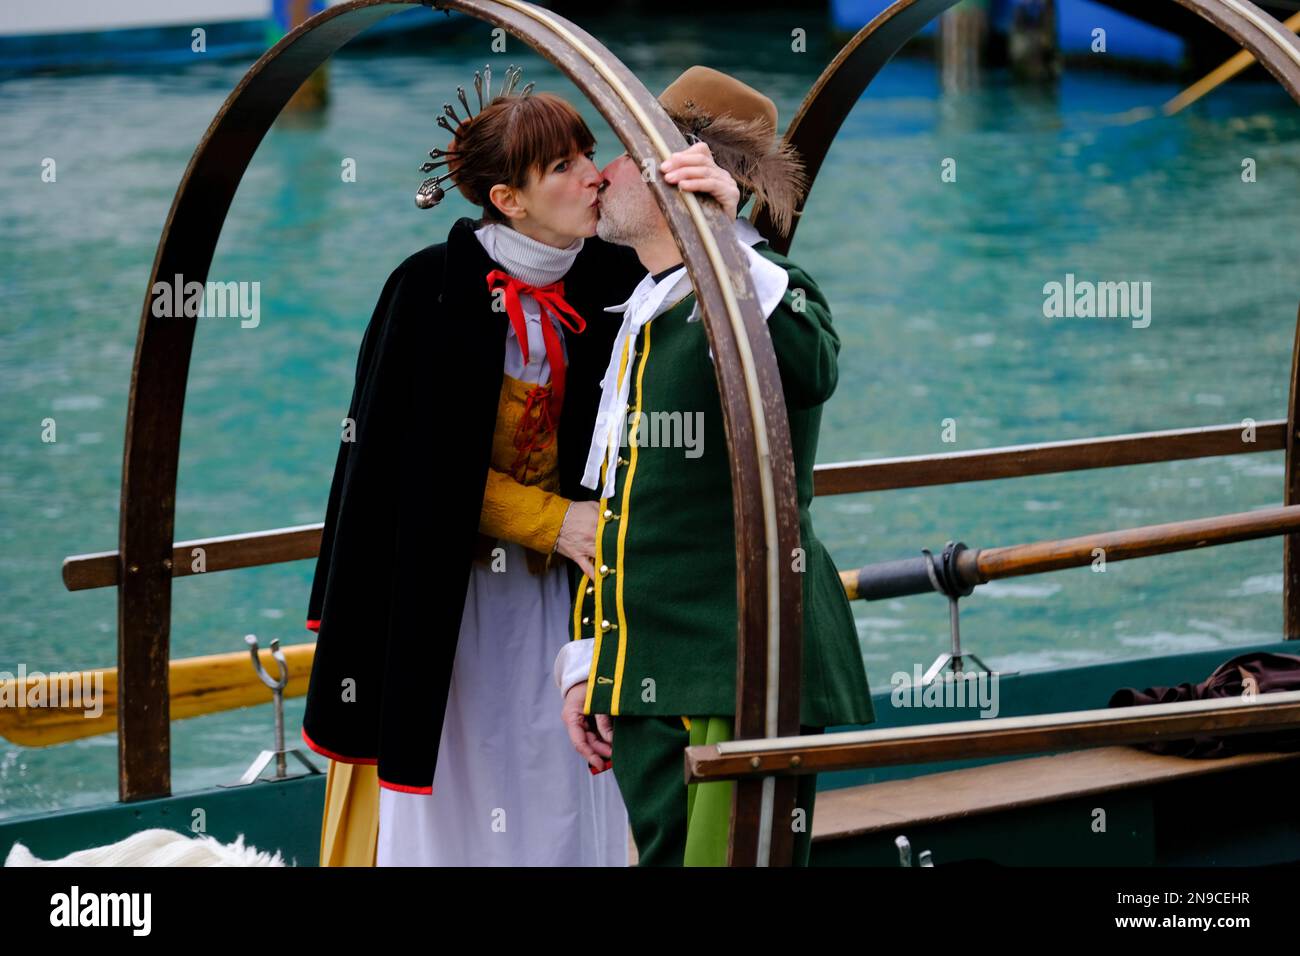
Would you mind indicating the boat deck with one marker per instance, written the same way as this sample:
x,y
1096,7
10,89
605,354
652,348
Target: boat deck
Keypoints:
x,y
1039,809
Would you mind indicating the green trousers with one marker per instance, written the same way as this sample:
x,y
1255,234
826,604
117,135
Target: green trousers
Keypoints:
x,y
678,825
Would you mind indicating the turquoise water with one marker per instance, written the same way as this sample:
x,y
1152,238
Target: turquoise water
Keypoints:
x,y
936,289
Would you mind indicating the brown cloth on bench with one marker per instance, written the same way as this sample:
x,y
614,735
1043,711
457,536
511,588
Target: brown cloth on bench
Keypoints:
x,y
1270,673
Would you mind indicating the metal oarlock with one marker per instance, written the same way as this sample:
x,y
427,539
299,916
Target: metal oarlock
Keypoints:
x,y
277,685
951,574
943,577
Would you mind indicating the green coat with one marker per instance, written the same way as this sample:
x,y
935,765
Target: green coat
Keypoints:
x,y
662,609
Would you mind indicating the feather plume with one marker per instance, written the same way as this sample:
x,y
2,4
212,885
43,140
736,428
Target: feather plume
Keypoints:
x,y
768,167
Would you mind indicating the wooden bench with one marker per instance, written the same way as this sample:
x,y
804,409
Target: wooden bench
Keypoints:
x,y
895,805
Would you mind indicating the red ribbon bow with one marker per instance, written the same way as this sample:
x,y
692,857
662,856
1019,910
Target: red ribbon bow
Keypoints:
x,y
541,413
550,300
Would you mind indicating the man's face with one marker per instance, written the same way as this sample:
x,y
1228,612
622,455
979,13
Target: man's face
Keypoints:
x,y
628,212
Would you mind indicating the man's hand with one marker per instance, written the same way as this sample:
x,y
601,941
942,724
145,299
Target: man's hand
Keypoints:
x,y
694,170
595,748
577,540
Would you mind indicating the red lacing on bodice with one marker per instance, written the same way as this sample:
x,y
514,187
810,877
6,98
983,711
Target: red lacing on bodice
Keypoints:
x,y
536,429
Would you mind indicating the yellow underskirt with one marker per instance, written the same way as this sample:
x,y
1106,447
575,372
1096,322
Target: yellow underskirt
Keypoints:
x,y
350,825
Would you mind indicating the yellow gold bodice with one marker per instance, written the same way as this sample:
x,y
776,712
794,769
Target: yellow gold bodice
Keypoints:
x,y
521,502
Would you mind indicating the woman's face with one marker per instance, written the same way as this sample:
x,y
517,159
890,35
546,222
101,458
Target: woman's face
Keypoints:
x,y
560,202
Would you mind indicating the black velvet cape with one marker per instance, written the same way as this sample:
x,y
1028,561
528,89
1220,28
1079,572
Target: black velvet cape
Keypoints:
x,y
403,510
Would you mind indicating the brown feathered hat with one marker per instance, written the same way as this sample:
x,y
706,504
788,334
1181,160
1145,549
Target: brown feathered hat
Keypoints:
x,y
738,124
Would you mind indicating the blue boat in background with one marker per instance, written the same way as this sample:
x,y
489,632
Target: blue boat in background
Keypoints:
x,y
1142,33
76,35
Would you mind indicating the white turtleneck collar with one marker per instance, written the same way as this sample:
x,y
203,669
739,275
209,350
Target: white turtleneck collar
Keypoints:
x,y
526,258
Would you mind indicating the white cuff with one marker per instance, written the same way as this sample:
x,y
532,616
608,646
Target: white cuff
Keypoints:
x,y
573,664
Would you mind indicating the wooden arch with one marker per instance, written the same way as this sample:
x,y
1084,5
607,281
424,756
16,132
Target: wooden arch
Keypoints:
x,y
766,515
843,82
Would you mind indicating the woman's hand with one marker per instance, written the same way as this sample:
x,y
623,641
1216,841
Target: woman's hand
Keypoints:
x,y
694,170
577,540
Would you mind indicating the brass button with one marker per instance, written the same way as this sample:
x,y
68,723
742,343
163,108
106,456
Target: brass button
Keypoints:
x,y
622,460
586,620
590,590
607,514
605,625
604,569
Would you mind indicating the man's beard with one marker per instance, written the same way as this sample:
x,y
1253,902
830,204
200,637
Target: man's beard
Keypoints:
x,y
624,217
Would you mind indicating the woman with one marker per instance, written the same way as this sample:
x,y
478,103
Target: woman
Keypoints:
x,y
439,622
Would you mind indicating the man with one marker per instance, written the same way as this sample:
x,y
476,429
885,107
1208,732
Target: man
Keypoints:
x,y
654,653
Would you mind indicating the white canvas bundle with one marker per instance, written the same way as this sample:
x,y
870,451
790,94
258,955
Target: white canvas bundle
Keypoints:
x,y
156,847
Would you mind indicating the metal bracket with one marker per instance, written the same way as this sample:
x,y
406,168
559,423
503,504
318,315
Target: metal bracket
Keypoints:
x,y
944,578
277,685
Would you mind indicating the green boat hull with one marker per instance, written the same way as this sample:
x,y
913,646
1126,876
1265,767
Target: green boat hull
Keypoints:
x,y
1238,817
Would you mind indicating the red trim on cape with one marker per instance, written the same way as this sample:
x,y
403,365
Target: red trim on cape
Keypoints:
x,y
369,761
402,788
332,755
313,626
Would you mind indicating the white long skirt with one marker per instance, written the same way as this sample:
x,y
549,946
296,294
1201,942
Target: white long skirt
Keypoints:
x,y
509,789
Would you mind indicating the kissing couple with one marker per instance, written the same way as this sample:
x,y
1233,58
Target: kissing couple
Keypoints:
x,y
491,534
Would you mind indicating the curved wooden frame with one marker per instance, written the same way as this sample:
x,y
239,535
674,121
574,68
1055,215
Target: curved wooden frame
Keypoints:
x,y
843,82
766,514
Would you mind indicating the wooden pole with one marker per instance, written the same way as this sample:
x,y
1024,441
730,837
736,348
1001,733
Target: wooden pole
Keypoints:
x,y
1031,41
962,32
1220,75
979,566
197,686
314,94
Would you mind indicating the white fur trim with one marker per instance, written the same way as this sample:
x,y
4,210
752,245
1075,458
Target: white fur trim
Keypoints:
x,y
156,847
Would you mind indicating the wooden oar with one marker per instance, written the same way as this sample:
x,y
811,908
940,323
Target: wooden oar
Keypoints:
x,y
1217,77
980,565
199,685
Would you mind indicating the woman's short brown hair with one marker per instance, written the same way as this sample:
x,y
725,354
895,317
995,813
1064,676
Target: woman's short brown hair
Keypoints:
x,y
511,137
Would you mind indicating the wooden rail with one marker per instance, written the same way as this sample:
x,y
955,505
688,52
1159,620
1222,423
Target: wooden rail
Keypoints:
x,y
252,549
994,737
247,550
1044,458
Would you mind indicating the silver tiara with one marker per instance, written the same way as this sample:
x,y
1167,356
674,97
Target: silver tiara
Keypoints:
x,y
431,192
